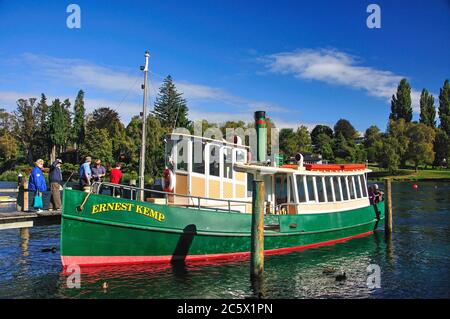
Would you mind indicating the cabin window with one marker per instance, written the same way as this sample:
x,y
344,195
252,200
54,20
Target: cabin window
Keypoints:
x,y
351,185
214,160
329,187
320,189
198,162
182,154
310,186
358,186
345,188
301,189
337,188
363,185
240,156
291,197
280,189
228,162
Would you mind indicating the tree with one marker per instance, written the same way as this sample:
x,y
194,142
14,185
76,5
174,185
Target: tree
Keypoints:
x,y
8,147
324,146
41,145
372,138
444,107
441,148
345,128
170,107
420,150
97,144
398,131
343,149
154,155
26,126
108,119
320,129
390,158
401,102
79,125
58,132
288,145
427,109
303,139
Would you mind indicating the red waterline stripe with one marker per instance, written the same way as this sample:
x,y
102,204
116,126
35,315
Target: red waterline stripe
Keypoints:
x,y
114,260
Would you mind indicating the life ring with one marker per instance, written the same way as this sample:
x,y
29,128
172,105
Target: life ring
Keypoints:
x,y
168,180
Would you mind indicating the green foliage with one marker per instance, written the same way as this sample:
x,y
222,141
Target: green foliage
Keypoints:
x,y
9,176
324,146
58,126
318,130
420,147
397,130
170,108
97,144
26,126
427,109
401,102
390,158
79,125
444,107
343,150
293,142
345,128
372,140
441,148
8,147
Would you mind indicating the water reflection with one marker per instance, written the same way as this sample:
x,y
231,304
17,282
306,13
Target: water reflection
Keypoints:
x,y
414,262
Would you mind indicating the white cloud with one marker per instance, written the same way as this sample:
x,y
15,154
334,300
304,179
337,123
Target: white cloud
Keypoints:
x,y
95,77
335,67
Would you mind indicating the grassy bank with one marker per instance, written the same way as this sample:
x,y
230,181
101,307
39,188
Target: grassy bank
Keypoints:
x,y
411,175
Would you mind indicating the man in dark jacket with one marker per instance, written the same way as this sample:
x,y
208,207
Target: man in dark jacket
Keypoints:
x,y
55,179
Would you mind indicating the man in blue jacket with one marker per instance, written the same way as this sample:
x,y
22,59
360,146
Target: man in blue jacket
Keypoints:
x,y
37,183
55,179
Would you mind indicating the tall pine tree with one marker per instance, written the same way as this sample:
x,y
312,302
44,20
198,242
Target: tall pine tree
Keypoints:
x,y
79,125
170,107
444,107
427,109
58,131
401,102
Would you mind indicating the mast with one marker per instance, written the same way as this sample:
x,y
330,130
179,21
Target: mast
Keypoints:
x,y
144,120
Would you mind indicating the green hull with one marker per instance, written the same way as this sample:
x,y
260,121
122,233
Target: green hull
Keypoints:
x,y
114,230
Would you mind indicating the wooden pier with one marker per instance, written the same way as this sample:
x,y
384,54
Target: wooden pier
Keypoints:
x,y
28,219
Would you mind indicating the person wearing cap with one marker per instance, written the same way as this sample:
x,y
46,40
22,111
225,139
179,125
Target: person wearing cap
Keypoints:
x,y
55,179
37,184
85,173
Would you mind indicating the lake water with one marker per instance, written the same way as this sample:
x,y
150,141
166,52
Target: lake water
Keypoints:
x,y
415,263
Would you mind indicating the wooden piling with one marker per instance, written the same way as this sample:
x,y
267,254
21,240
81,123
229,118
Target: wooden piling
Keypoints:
x,y
22,196
387,206
257,240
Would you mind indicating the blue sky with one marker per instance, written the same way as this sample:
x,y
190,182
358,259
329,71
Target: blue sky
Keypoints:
x,y
305,62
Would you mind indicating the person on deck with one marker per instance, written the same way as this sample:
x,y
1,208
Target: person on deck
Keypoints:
x,y
98,172
115,177
371,196
55,179
378,194
37,184
86,174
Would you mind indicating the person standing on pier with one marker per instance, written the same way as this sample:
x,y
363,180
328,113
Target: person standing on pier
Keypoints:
x,y
37,184
55,179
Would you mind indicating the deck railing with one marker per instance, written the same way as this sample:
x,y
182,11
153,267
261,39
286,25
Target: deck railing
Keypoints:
x,y
170,198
